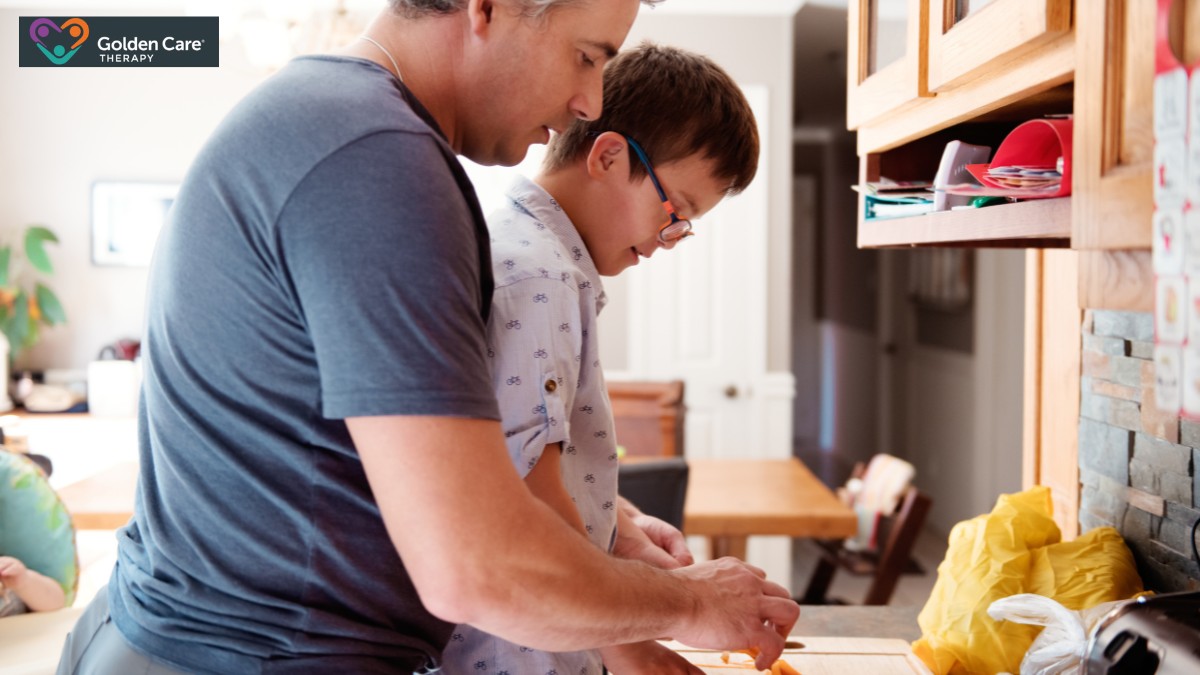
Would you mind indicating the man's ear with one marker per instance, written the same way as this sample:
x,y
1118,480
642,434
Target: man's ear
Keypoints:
x,y
609,154
479,15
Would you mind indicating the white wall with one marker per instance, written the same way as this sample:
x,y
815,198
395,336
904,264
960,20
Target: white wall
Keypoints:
x,y
64,129
960,416
1000,373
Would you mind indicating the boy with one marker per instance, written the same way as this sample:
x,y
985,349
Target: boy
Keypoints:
x,y
674,138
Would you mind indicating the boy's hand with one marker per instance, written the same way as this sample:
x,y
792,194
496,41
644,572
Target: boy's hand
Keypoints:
x,y
665,537
648,539
647,657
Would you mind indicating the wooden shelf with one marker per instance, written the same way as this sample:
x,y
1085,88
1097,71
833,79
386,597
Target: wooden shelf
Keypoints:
x,y
1039,223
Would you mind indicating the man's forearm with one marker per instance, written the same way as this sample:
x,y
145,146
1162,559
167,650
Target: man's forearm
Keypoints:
x,y
482,550
558,592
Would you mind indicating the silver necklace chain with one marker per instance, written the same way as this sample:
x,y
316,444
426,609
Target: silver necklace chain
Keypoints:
x,y
386,53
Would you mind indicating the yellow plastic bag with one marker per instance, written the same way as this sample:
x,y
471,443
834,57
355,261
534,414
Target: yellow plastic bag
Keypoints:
x,y
1097,567
1014,549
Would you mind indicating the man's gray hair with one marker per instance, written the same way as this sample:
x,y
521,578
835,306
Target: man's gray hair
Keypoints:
x,y
530,8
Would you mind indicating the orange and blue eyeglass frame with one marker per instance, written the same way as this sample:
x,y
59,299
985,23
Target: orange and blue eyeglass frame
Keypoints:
x,y
676,229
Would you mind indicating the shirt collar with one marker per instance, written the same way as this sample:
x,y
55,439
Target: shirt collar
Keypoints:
x,y
533,199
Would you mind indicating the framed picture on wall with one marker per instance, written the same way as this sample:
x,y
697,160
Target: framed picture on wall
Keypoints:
x,y
126,219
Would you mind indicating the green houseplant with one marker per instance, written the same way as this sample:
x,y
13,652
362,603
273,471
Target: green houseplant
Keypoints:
x,y
27,304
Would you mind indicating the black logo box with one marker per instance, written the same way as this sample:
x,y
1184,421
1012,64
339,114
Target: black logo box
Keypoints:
x,y
161,42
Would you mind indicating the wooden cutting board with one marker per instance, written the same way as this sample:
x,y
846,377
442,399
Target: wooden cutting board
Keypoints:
x,y
821,656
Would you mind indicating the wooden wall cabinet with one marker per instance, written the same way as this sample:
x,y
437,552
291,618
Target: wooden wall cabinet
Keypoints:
x,y
1008,61
1026,82
966,43
1011,61
1114,125
1114,152
877,84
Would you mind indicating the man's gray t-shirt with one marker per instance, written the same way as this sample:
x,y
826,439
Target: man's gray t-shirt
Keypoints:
x,y
326,258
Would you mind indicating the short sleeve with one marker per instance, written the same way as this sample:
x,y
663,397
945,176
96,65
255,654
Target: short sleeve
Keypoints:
x,y
534,346
384,260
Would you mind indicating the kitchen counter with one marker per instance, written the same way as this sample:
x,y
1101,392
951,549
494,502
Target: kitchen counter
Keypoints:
x,y
859,621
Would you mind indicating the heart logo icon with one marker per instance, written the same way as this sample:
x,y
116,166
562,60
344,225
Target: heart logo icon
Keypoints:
x,y
59,54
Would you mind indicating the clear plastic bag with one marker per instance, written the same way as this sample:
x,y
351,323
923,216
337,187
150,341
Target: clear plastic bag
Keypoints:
x,y
1061,647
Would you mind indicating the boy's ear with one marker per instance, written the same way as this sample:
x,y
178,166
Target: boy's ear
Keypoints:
x,y
609,153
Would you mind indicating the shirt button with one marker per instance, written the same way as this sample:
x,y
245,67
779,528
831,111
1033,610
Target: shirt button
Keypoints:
x,y
551,385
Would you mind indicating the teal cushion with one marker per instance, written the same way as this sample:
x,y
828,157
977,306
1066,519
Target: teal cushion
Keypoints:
x,y
35,527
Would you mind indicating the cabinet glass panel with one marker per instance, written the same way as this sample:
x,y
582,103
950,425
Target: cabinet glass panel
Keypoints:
x,y
888,27
964,8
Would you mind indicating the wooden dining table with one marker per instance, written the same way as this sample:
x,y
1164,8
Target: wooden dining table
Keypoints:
x,y
730,500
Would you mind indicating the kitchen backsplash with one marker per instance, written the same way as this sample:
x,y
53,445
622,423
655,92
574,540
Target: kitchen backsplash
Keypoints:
x,y
1139,466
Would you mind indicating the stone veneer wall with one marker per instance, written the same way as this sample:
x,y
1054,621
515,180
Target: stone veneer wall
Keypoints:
x,y
1140,468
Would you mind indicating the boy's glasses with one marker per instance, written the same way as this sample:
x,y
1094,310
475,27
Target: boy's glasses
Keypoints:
x,y
676,229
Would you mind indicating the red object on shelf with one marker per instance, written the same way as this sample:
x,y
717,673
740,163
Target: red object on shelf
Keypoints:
x,y
1034,143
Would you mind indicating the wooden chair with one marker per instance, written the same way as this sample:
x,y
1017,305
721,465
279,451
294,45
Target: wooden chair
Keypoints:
x,y
885,567
649,417
886,481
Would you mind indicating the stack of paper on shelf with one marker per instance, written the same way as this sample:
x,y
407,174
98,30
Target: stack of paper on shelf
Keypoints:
x,y
896,199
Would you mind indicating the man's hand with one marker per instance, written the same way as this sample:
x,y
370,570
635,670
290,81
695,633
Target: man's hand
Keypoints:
x,y
647,657
736,607
646,538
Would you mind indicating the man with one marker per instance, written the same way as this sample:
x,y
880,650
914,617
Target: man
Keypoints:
x,y
324,484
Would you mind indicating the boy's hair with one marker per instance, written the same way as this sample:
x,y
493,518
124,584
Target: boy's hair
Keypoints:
x,y
675,104
531,8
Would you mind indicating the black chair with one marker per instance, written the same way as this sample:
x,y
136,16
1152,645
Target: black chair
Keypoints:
x,y
658,487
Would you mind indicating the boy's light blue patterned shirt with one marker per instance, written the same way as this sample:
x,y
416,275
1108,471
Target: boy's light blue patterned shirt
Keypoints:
x,y
548,380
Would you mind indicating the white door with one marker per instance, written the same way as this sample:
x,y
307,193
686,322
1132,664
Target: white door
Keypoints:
x,y
699,313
